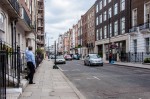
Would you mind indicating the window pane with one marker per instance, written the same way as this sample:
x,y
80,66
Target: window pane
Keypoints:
x,y
104,2
115,9
116,28
122,5
105,32
134,17
135,45
122,25
147,44
101,36
97,38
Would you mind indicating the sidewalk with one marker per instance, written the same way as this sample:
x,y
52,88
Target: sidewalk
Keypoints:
x,y
50,84
129,64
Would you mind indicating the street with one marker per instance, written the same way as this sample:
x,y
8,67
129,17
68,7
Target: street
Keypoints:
x,y
109,81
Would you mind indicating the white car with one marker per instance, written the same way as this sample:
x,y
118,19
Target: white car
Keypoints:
x,y
60,60
93,59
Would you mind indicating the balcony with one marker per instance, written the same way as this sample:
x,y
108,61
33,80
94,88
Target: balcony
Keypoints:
x,y
40,0
40,16
133,31
40,42
40,34
145,28
25,20
12,7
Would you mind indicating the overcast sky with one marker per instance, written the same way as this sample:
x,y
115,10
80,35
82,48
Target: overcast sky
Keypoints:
x,y
60,15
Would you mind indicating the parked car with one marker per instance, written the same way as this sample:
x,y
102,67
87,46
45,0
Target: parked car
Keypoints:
x,y
93,59
60,60
52,56
68,57
76,57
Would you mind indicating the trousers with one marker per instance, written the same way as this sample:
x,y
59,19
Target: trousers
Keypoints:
x,y
31,68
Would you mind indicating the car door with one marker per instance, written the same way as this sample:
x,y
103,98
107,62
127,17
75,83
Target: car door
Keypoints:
x,y
86,59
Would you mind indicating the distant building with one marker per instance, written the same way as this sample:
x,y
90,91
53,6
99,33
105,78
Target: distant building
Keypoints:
x,y
40,24
112,22
91,30
60,44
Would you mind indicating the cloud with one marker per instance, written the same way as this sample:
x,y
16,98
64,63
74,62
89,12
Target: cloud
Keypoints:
x,y
60,15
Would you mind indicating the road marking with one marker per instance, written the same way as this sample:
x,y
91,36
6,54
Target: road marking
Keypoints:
x,y
96,78
62,69
90,78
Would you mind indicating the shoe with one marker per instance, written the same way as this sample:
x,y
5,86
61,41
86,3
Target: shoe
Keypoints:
x,y
31,83
26,77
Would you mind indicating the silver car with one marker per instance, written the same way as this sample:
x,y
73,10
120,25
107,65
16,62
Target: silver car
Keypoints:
x,y
93,59
60,60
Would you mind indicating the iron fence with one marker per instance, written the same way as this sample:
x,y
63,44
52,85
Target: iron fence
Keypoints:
x,y
10,67
136,57
2,74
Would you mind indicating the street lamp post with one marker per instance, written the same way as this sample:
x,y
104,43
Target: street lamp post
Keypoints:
x,y
109,50
55,66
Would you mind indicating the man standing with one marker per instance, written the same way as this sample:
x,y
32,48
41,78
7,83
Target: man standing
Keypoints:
x,y
30,64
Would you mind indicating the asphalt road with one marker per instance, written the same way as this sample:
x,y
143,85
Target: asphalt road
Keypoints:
x,y
109,81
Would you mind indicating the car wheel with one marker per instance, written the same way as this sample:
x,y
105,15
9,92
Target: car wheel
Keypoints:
x,y
84,63
89,64
102,64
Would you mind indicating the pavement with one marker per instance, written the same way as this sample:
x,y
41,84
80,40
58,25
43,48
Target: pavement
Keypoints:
x,y
53,84
50,84
131,64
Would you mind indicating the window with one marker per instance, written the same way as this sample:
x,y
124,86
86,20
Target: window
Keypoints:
x,y
116,28
147,13
96,8
101,36
100,18
147,44
110,30
109,0
109,12
122,5
122,25
104,2
105,32
135,45
97,38
100,5
1,22
97,21
115,9
134,17
105,16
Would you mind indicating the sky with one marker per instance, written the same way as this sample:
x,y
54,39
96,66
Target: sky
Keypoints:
x,y
60,15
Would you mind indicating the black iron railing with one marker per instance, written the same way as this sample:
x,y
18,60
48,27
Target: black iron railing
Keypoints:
x,y
2,74
144,26
133,29
26,17
15,5
136,57
10,67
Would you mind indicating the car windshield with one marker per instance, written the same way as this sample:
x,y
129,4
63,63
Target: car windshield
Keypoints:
x,y
94,56
60,57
